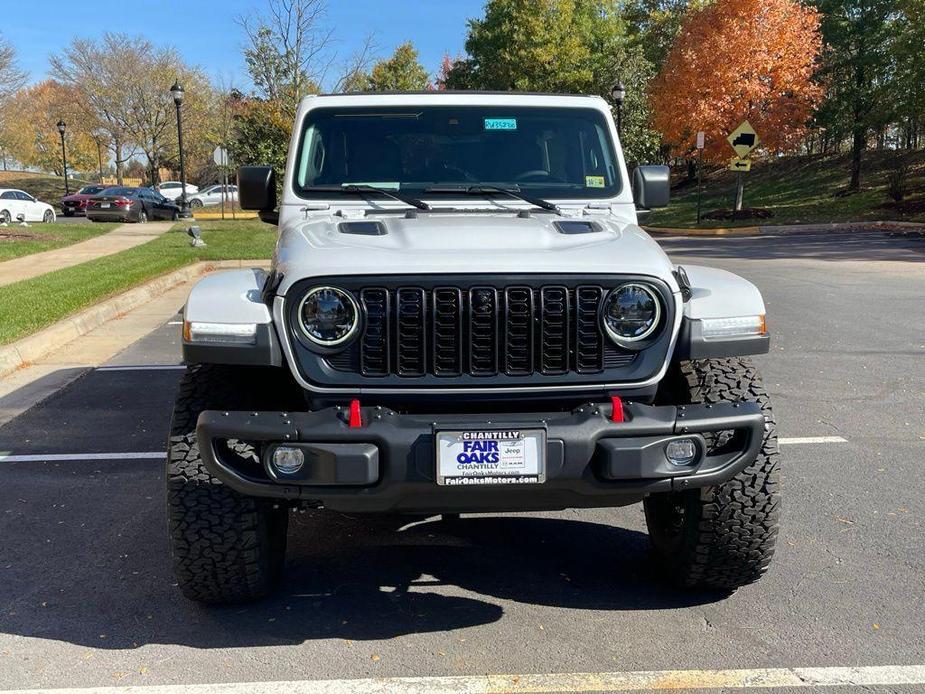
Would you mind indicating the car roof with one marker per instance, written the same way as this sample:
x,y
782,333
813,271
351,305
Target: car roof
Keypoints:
x,y
14,190
454,99
466,92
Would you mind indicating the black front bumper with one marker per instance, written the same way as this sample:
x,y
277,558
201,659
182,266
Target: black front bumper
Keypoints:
x,y
389,463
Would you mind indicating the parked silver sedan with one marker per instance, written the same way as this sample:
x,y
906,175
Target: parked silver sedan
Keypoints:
x,y
213,196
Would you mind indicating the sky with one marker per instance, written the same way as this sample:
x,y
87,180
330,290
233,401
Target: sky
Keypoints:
x,y
207,35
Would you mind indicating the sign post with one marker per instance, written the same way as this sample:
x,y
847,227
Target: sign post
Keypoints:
x,y
220,157
700,143
743,140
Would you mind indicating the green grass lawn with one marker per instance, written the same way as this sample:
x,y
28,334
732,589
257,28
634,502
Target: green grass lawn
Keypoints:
x,y
801,190
17,241
32,304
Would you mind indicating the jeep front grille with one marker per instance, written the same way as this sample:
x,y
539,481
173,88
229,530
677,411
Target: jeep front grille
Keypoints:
x,y
515,330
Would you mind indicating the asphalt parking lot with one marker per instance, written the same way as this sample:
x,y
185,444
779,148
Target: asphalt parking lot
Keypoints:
x,y
87,597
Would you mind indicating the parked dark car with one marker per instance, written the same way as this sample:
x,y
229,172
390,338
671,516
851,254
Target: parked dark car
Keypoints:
x,y
123,204
76,203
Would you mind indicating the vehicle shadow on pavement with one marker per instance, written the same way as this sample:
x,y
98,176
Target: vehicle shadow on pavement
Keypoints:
x,y
82,569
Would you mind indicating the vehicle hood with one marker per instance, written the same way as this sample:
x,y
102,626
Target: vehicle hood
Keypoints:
x,y
473,243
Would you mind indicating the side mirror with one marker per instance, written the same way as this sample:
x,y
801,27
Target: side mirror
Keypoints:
x,y
257,191
651,186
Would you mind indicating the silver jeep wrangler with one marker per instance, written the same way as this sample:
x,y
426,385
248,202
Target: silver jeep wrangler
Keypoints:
x,y
462,316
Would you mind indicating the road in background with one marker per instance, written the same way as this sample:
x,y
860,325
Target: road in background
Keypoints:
x,y
87,596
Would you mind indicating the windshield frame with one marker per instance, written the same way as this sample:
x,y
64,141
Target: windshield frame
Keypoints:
x,y
565,193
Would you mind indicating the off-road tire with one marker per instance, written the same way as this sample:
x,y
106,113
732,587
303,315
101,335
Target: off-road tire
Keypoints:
x,y
719,537
226,547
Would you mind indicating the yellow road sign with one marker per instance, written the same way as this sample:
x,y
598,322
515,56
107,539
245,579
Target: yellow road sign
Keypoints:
x,y
743,139
736,164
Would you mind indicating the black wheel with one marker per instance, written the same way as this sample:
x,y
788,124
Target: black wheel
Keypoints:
x,y
719,537
5,217
226,547
175,216
68,213
48,217
142,216
195,203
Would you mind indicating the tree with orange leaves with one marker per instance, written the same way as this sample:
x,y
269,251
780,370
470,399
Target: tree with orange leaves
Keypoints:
x,y
736,60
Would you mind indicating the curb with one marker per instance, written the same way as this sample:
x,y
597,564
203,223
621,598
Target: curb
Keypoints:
x,y
32,348
218,215
719,231
785,229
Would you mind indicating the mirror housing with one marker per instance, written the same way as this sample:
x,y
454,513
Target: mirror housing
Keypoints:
x,y
651,186
257,191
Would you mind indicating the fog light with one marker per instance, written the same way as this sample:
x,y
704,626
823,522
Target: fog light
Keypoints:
x,y
681,451
288,460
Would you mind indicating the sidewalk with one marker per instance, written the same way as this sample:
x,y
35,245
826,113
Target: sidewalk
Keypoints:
x,y
60,353
119,239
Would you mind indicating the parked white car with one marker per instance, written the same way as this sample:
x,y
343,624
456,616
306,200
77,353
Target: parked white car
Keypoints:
x,y
213,196
172,189
17,205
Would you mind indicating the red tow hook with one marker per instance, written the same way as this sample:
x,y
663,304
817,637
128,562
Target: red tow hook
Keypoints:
x,y
355,421
617,414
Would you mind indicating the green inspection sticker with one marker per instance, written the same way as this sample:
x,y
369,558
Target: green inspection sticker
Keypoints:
x,y
500,124
594,181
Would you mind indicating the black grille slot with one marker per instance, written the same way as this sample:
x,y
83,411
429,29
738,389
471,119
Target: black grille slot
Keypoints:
x,y
615,357
411,333
374,347
554,330
518,331
447,330
483,331
589,353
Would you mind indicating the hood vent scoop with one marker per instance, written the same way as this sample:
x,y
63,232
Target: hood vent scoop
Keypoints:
x,y
362,228
577,226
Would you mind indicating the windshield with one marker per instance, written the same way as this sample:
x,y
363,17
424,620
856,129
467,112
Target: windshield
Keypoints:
x,y
119,191
548,152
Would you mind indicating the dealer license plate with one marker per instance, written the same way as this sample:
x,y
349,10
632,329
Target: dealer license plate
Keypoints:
x,y
491,456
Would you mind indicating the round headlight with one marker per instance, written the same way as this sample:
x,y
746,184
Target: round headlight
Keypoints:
x,y
631,313
328,316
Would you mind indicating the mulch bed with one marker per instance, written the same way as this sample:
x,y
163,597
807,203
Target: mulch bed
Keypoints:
x,y
910,206
745,213
24,235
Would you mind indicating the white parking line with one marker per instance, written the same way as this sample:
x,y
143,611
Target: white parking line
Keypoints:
x,y
141,367
664,680
55,457
811,440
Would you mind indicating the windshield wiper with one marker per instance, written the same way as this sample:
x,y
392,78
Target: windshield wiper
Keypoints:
x,y
483,190
360,189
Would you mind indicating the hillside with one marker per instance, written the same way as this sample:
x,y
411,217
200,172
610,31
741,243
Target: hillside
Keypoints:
x,y
46,188
802,189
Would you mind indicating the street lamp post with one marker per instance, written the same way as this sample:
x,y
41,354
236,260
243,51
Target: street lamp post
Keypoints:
x,y
176,91
62,126
98,138
619,93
